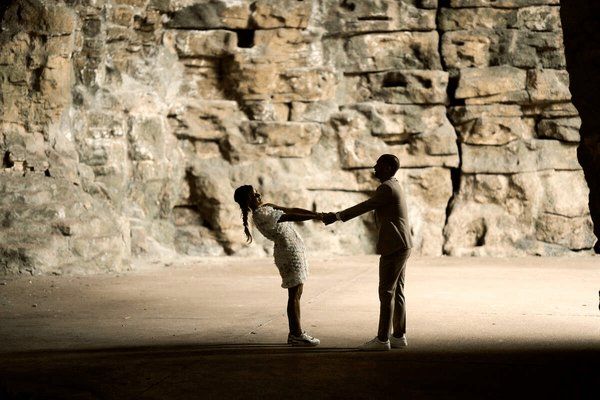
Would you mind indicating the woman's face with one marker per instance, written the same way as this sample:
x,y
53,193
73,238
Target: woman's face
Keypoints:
x,y
255,199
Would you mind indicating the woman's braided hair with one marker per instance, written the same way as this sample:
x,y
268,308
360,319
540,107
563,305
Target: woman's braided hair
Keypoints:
x,y
242,197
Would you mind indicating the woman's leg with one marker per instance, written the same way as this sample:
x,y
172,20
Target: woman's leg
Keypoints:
x,y
293,309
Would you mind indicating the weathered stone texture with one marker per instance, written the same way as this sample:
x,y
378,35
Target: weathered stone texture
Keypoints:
x,y
126,125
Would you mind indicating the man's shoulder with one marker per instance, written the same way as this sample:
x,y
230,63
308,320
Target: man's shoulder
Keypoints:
x,y
391,183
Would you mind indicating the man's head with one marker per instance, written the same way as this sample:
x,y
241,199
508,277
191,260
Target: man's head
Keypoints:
x,y
386,167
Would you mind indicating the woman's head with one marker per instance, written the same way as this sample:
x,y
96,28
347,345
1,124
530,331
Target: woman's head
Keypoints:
x,y
248,199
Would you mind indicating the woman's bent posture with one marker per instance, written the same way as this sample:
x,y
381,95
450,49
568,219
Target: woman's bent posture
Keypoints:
x,y
289,254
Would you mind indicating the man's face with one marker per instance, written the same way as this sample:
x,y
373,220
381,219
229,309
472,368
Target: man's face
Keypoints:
x,y
380,170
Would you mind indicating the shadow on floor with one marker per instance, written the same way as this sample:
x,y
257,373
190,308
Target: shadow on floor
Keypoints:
x,y
272,370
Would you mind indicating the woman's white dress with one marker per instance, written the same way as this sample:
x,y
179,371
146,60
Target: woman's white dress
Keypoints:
x,y
288,250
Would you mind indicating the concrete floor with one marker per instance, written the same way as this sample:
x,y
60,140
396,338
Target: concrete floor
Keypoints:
x,y
216,328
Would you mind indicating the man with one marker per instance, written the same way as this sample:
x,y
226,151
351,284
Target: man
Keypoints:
x,y
394,244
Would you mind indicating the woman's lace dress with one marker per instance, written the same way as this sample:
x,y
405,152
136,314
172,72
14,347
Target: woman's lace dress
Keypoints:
x,y
289,247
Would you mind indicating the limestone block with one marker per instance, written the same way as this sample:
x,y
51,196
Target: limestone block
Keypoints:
x,y
495,130
548,85
399,122
525,49
343,18
55,84
267,110
504,81
566,193
122,15
287,139
406,87
565,129
290,47
428,191
501,3
57,20
384,51
572,233
194,240
203,79
551,110
519,156
433,149
269,14
482,230
215,14
147,137
492,125
253,79
133,3
465,49
263,81
212,43
358,149
356,146
200,149
206,120
538,18
432,186
314,111
62,46
518,48
305,84
102,124
52,215
453,19
212,193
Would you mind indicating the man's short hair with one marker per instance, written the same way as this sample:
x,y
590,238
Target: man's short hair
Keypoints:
x,y
391,160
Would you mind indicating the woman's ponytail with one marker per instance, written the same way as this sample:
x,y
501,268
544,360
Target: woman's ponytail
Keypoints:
x,y
246,228
242,197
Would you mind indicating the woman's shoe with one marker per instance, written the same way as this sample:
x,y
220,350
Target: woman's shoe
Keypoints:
x,y
303,340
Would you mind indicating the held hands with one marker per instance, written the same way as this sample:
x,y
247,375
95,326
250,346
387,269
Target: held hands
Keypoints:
x,y
329,218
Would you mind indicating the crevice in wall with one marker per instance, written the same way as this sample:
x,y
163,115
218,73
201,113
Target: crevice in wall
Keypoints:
x,y
6,160
455,173
245,38
581,37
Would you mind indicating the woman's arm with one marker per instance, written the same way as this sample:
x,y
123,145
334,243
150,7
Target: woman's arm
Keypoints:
x,y
296,214
300,216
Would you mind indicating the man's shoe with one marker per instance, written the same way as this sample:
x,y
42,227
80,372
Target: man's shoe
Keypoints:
x,y
303,340
375,345
398,342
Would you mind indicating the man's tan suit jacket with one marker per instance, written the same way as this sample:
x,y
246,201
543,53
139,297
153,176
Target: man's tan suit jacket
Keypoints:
x,y
389,204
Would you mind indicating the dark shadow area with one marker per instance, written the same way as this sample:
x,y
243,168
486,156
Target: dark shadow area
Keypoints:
x,y
245,38
582,49
277,371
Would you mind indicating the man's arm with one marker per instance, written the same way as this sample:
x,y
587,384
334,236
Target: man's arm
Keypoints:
x,y
381,196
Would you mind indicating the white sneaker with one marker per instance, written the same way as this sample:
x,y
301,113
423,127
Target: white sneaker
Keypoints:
x,y
303,340
375,345
398,342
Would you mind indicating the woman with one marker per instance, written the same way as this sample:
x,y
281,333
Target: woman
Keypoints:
x,y
290,259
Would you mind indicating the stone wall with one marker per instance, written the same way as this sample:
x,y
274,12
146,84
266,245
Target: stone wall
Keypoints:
x,y
127,124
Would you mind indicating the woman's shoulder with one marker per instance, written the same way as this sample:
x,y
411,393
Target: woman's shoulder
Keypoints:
x,y
264,209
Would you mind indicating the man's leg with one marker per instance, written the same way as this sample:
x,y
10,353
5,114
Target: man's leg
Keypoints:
x,y
399,300
293,309
390,267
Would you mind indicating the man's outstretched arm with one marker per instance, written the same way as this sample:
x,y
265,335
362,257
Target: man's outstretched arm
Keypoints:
x,y
380,197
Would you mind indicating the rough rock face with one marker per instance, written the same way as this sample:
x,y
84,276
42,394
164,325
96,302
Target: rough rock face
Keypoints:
x,y
126,125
